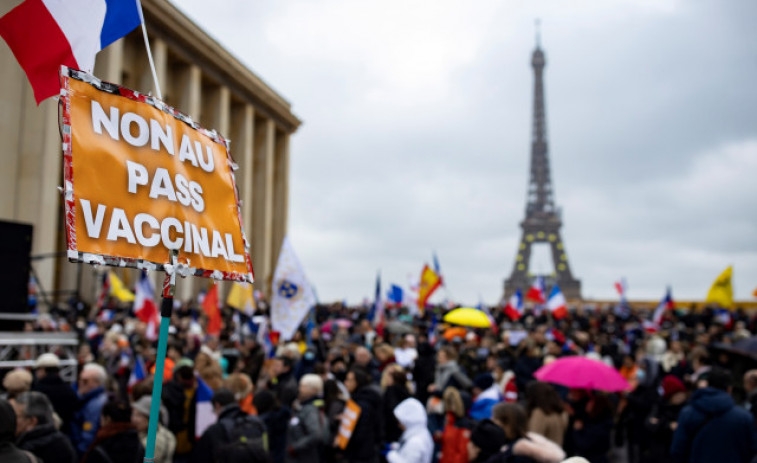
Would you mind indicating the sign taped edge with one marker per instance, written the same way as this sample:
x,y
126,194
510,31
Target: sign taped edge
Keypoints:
x,y
73,254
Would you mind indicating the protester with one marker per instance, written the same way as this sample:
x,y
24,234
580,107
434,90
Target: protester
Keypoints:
x,y
663,421
485,395
523,446
233,426
9,453
36,431
276,420
179,398
415,445
591,430
16,382
282,381
448,372
366,437
92,398
117,440
61,395
308,430
712,428
395,390
486,441
457,428
165,442
546,413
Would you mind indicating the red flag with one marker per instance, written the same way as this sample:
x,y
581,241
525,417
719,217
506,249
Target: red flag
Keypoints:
x,y
210,306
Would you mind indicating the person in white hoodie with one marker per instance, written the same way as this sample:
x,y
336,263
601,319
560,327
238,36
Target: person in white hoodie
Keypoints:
x,y
416,444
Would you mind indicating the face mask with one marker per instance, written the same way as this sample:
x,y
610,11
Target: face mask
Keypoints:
x,y
641,374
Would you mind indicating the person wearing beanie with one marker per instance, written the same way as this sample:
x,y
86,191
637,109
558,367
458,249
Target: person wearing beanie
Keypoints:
x,y
485,395
16,382
416,444
165,441
486,440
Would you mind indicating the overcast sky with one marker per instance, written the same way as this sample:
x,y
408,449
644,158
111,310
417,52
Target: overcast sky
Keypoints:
x,y
416,137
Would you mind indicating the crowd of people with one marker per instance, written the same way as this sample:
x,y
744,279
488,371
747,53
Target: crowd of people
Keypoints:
x,y
412,390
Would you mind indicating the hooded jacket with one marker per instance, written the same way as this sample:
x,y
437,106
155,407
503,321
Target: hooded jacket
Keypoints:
x,y
416,444
712,428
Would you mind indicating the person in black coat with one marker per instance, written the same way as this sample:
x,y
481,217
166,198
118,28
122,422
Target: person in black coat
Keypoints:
x,y
394,383
216,437
276,419
37,432
423,371
283,384
590,432
117,441
61,395
366,437
9,453
663,420
181,412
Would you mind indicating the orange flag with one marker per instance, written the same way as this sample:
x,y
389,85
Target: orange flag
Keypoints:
x,y
210,306
430,281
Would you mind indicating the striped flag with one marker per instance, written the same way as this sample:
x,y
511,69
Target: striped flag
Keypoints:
x,y
557,304
204,416
137,373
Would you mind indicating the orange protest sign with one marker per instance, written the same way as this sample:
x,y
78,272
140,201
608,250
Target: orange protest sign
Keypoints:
x,y
350,416
142,179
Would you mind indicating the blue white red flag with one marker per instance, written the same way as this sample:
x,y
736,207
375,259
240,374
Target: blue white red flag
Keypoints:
x,y
557,304
514,307
145,307
536,293
137,373
45,34
204,416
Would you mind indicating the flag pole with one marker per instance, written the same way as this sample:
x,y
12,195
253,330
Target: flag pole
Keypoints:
x,y
166,310
149,51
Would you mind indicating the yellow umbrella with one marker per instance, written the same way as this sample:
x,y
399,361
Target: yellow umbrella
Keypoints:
x,y
467,316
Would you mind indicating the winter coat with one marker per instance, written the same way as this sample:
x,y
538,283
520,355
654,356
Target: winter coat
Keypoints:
x,y
181,420
484,402
49,444
86,420
393,396
592,441
276,422
423,371
307,433
533,448
416,444
551,426
116,443
658,424
9,453
711,429
62,397
165,444
455,438
450,374
366,437
285,387
216,436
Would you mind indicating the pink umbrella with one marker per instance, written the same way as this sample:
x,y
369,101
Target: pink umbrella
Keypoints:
x,y
582,373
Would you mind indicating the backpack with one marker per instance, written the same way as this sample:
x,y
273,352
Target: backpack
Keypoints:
x,y
243,430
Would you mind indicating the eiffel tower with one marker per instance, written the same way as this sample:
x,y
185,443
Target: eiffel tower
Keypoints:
x,y
543,219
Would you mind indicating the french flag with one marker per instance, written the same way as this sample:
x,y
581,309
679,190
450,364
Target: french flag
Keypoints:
x,y
145,307
557,304
536,292
45,34
204,415
666,303
137,373
514,307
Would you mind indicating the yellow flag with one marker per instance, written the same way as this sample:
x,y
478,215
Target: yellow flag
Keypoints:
x,y
118,290
240,297
429,282
721,292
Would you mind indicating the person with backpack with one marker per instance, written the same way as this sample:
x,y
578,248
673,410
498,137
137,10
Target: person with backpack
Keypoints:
x,y
233,428
308,429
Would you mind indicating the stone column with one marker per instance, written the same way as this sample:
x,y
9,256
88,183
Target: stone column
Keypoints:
x,y
188,92
280,195
265,133
109,63
242,140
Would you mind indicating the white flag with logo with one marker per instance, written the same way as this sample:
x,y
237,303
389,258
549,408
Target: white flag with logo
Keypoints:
x,y
292,296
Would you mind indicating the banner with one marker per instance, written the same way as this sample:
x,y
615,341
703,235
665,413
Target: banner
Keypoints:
x,y
142,179
350,416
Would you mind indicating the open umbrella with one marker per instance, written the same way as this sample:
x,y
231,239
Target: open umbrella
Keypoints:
x,y
397,327
746,347
582,373
455,332
467,316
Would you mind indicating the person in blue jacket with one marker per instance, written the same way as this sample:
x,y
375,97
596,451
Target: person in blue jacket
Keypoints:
x,y
92,398
712,428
